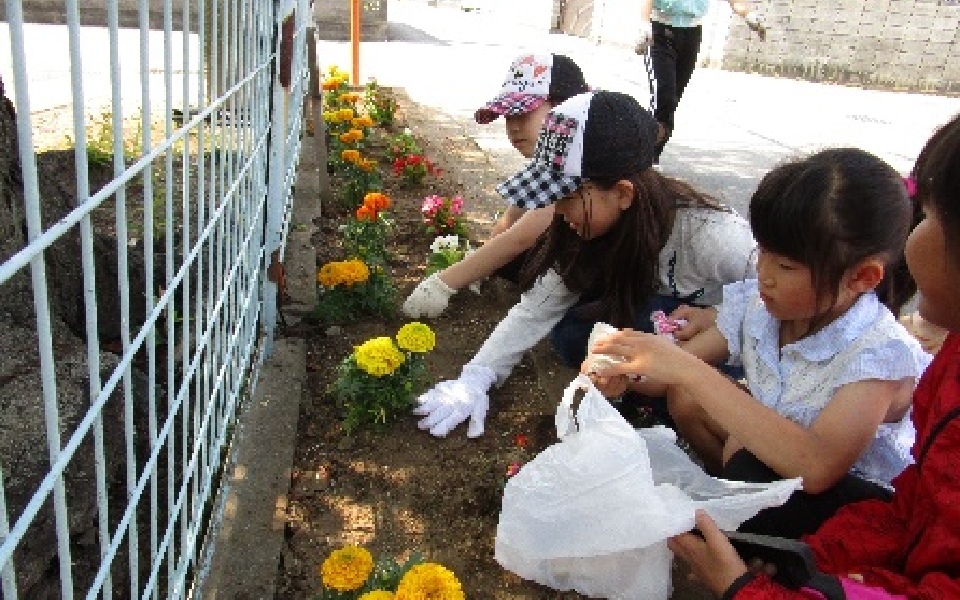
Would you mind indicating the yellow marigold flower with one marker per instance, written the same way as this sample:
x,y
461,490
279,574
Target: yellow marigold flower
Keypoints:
x,y
331,116
429,580
377,595
416,337
354,271
357,133
378,356
347,569
346,114
350,97
329,274
350,155
333,70
349,137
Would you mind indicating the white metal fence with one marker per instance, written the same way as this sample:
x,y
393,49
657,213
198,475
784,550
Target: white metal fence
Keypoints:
x,y
195,208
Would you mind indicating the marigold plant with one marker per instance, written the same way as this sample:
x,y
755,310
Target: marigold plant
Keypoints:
x,y
347,569
352,289
365,235
380,104
416,337
379,381
341,570
429,580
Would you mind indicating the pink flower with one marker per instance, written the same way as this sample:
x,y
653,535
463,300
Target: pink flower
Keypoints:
x,y
456,205
513,469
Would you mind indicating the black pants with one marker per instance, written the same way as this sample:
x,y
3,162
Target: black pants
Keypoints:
x,y
803,513
674,53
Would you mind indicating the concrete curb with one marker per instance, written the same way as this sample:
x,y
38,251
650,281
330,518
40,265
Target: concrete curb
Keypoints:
x,y
241,560
245,550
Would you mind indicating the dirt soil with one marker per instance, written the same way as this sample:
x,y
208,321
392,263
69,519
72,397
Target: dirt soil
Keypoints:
x,y
403,490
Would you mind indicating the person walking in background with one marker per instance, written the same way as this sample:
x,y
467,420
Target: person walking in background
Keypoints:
x,y
673,28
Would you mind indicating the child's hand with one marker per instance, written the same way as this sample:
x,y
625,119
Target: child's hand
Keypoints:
x,y
610,387
697,319
655,356
712,558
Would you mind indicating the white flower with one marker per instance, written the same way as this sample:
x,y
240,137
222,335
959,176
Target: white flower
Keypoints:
x,y
445,242
406,131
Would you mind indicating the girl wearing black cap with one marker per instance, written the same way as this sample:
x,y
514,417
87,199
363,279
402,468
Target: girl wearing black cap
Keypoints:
x,y
624,236
534,84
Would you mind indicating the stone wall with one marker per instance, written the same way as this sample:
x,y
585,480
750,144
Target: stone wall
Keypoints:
x,y
893,44
94,12
332,20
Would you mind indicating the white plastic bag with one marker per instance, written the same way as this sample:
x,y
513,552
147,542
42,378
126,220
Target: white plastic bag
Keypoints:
x,y
593,512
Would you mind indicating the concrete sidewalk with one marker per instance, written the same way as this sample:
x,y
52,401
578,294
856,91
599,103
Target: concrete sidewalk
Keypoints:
x,y
731,127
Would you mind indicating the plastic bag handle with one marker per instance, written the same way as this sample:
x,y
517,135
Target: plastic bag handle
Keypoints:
x,y
566,418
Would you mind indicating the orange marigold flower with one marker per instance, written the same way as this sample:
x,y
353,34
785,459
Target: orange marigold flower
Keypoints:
x,y
367,165
350,155
366,213
350,97
330,84
377,200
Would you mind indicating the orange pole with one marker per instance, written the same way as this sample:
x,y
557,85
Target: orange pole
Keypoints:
x,y
355,38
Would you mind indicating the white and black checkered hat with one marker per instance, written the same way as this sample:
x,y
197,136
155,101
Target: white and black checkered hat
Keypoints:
x,y
531,80
600,135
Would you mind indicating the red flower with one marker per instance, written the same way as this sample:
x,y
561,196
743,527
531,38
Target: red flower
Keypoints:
x,y
520,441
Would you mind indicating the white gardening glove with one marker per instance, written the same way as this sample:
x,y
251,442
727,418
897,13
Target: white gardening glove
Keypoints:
x,y
644,38
450,403
429,298
755,22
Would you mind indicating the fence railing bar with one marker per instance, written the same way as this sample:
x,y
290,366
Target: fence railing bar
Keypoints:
x,y
31,196
8,573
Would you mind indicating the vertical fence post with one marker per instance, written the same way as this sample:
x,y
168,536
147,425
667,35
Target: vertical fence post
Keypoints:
x,y
355,38
273,230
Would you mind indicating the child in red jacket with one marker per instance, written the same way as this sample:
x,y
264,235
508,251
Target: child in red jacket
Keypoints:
x,y
908,547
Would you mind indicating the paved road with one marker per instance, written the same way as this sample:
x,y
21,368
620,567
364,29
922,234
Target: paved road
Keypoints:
x,y
731,127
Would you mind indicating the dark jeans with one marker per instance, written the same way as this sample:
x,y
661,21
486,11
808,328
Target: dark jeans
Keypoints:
x,y
803,513
674,55
569,336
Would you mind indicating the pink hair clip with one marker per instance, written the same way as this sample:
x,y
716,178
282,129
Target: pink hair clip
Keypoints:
x,y
911,184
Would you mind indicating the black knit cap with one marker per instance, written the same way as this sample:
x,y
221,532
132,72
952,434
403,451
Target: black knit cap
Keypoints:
x,y
596,135
619,138
566,80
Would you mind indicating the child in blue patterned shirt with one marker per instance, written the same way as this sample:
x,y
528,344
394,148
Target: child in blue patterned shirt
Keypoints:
x,y
829,369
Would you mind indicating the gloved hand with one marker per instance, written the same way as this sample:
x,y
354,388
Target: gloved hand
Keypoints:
x,y
453,402
429,298
755,22
644,38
